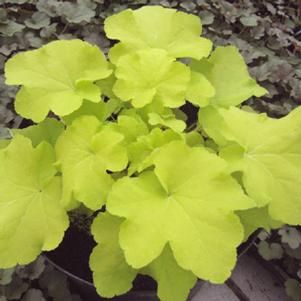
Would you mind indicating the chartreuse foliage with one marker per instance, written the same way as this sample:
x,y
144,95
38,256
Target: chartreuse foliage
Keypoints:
x,y
227,72
85,151
174,199
156,27
268,153
114,276
31,216
148,74
56,77
184,205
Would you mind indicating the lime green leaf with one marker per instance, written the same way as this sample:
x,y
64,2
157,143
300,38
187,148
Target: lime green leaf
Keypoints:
x,y
31,217
148,74
232,153
199,90
211,146
157,27
121,49
101,110
48,130
186,204
111,274
194,139
106,85
180,114
86,151
270,160
208,119
168,121
56,77
4,143
228,73
155,107
174,283
141,152
131,127
255,218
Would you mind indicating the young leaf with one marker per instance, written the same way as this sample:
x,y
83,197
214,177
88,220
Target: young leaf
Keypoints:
x,y
31,216
270,160
227,72
56,77
157,27
148,74
86,150
113,276
169,120
141,152
131,126
186,204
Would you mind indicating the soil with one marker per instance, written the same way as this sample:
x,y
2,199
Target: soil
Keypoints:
x,y
73,256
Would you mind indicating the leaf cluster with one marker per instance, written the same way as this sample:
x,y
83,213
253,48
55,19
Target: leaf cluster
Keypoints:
x,y
118,138
266,32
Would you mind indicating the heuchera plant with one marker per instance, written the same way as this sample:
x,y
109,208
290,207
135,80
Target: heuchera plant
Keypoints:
x,y
178,202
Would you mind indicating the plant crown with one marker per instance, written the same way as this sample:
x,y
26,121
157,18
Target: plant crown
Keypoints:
x,y
178,199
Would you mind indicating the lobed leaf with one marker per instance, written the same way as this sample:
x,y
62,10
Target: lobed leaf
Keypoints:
x,y
86,150
113,276
174,283
141,152
228,74
48,130
168,120
156,27
184,204
101,110
111,273
56,77
269,156
31,216
149,74
130,125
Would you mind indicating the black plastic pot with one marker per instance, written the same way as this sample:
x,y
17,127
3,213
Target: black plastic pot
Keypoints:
x,y
86,288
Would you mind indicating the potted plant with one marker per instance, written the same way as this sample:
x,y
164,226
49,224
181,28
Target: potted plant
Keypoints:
x,y
166,197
